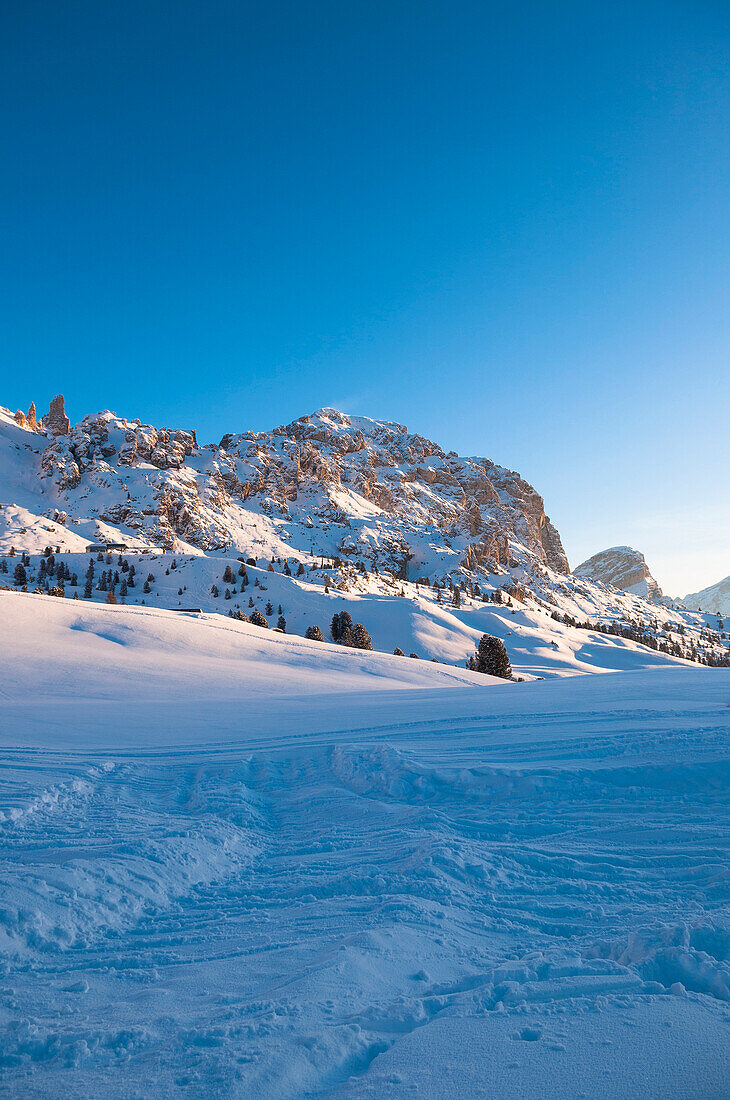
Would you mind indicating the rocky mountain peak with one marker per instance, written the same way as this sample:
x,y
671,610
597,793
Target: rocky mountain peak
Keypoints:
x,y
329,483
28,420
623,568
55,420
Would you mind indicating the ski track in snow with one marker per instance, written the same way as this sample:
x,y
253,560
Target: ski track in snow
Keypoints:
x,y
524,892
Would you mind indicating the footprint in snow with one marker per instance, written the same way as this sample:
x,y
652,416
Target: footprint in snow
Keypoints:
x,y
529,1034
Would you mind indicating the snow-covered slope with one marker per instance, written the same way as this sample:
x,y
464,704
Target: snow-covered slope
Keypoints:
x,y
338,513
238,864
624,568
716,597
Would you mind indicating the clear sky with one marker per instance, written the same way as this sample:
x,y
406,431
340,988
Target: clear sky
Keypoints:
x,y
506,225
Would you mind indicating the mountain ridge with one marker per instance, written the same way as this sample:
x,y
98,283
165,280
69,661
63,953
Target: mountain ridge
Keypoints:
x,y
325,462
426,549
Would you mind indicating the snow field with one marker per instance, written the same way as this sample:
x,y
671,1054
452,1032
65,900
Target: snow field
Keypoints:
x,y
392,883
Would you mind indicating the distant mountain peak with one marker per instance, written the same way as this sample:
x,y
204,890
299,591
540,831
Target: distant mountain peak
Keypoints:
x,y
716,597
624,568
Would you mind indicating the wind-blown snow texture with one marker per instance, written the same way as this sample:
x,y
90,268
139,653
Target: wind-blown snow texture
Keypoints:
x,y
236,863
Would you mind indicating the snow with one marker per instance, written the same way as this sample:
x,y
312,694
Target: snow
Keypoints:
x,y
236,863
717,597
537,644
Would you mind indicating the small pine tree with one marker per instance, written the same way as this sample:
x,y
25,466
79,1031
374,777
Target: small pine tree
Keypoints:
x,y
360,637
20,576
300,570
228,575
397,652
87,589
281,623
341,628
110,597
227,595
258,619
314,634
491,658
146,588
214,591
269,607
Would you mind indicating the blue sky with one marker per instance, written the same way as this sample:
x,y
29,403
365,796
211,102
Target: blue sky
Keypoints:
x,y
505,225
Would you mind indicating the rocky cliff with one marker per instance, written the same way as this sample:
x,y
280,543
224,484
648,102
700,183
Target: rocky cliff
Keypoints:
x,y
326,484
623,568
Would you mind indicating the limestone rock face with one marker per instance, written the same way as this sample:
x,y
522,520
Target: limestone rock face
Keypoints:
x,y
329,484
28,420
410,479
56,421
624,568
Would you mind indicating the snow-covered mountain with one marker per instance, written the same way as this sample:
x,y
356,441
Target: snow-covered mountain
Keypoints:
x,y
624,568
426,549
327,484
715,597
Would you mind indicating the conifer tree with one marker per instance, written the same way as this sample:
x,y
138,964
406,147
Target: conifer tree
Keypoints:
x,y
491,658
360,637
341,628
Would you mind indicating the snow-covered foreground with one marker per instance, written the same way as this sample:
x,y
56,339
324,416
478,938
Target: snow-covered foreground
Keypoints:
x,y
235,863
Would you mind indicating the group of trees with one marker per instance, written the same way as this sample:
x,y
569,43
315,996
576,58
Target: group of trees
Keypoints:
x,y
345,632
638,632
52,575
